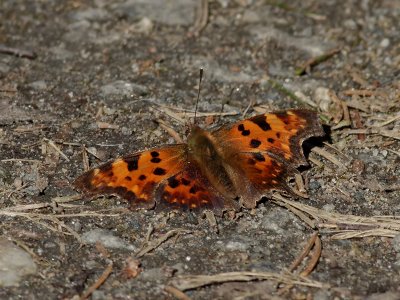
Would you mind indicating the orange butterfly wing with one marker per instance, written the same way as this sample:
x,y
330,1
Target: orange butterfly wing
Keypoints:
x,y
267,149
279,133
161,175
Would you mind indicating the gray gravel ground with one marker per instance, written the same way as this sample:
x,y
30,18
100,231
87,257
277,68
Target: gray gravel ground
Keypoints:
x,y
98,74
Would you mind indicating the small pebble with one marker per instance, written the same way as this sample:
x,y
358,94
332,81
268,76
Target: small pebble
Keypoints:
x,y
329,207
107,238
39,85
385,43
235,245
322,98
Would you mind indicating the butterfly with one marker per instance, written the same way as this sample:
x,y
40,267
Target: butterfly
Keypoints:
x,y
222,169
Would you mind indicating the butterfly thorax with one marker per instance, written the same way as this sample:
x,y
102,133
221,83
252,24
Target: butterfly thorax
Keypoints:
x,y
201,144
204,149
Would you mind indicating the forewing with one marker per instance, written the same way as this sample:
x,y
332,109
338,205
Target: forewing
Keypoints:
x,y
279,133
135,177
266,150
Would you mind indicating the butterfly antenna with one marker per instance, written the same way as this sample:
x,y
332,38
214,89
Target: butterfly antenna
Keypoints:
x,y
198,94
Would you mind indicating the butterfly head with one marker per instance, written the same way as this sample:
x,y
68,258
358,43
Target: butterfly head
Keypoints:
x,y
195,135
199,140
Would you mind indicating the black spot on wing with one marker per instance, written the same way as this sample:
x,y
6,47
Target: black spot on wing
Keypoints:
x,y
154,154
159,171
244,131
129,178
142,177
185,181
261,121
254,143
132,163
193,190
173,182
258,156
270,140
155,160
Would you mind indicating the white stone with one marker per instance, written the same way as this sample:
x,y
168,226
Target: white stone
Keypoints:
x,y
14,263
107,238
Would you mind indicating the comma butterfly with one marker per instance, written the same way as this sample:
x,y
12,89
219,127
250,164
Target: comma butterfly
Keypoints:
x,y
234,165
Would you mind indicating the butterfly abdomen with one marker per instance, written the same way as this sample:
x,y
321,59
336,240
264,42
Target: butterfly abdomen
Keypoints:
x,y
211,159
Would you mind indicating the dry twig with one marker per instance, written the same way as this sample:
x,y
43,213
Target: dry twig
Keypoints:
x,y
178,294
362,93
313,241
21,160
103,277
54,146
156,243
322,152
306,67
388,121
170,113
170,131
201,18
304,253
85,159
54,201
294,210
383,132
358,124
48,216
301,190
315,257
179,113
344,226
189,282
17,52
